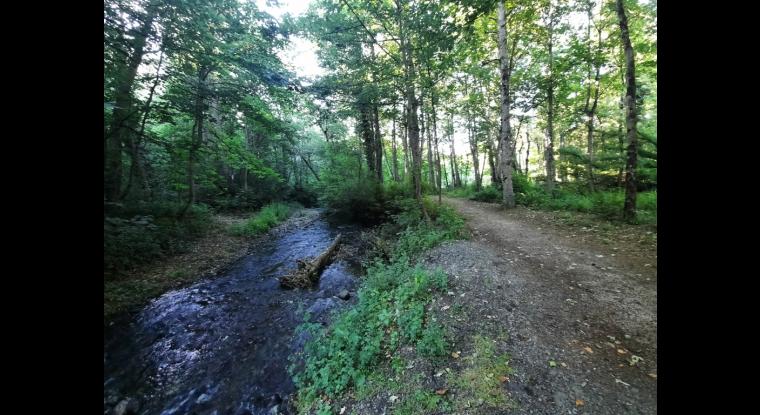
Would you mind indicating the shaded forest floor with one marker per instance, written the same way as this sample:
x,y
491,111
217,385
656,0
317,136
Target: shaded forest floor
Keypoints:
x,y
571,301
204,257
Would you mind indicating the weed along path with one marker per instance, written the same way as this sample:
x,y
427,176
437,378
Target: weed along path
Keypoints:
x,y
221,346
578,320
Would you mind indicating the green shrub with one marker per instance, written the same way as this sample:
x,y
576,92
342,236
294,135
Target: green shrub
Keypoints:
x,y
488,194
268,217
433,342
390,312
137,234
461,192
387,315
606,204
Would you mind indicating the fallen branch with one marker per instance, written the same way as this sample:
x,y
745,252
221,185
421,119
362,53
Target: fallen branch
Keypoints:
x,y
308,272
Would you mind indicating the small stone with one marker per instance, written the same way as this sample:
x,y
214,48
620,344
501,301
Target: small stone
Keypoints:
x,y
126,407
344,295
203,399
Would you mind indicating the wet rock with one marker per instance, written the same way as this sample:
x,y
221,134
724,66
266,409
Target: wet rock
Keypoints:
x,y
127,406
276,399
203,399
111,400
274,410
320,306
243,411
344,295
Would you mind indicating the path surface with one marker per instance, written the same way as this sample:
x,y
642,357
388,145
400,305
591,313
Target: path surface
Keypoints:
x,y
582,309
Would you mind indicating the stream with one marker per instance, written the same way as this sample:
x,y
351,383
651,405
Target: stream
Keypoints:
x,y
221,346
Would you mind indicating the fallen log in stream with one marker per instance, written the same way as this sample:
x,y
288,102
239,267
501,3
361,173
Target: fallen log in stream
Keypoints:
x,y
309,271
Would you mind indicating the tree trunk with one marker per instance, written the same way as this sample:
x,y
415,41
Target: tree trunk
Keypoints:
x,y
456,178
527,152
445,174
492,162
413,126
378,141
621,150
368,136
123,120
431,166
549,148
405,143
591,111
629,208
136,170
308,272
197,138
394,151
474,151
562,167
505,133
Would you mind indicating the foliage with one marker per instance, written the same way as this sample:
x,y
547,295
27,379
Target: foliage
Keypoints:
x,y
269,216
488,194
137,234
390,313
481,378
347,188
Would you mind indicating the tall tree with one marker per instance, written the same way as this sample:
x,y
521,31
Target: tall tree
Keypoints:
x,y
505,133
125,115
629,207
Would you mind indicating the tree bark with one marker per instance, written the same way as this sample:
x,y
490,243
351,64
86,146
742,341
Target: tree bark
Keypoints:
x,y
505,133
394,151
136,170
549,148
527,152
474,151
405,143
308,272
378,141
124,114
196,139
590,111
629,208
412,121
368,136
431,166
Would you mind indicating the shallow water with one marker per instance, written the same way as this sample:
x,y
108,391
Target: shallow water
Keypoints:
x,y
221,346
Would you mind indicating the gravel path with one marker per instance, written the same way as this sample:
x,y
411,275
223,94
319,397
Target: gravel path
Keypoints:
x,y
580,321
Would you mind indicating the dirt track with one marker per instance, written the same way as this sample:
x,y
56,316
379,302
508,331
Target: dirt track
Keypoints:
x,y
584,309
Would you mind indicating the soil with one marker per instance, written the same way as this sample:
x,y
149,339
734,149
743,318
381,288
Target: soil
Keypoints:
x,y
575,310
588,308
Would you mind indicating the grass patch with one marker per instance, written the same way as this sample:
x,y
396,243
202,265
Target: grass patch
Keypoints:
x,y
268,217
606,204
390,313
421,402
481,379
